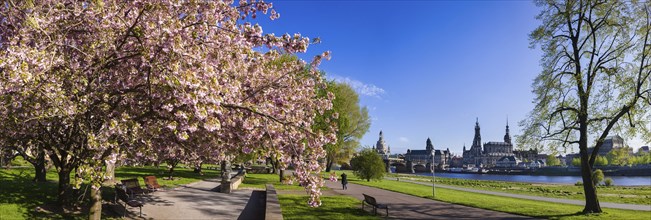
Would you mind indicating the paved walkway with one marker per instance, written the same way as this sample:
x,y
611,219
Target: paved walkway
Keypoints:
x,y
197,200
403,206
538,198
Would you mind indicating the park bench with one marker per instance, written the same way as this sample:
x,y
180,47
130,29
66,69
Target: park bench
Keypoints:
x,y
133,186
371,201
151,183
121,194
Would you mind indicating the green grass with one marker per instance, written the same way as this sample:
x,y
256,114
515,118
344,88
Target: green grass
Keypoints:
x,y
616,194
258,181
20,196
532,208
333,207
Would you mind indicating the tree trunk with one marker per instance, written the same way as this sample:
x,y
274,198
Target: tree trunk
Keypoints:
x,y
329,163
281,175
64,186
40,169
96,207
171,171
110,171
197,168
589,189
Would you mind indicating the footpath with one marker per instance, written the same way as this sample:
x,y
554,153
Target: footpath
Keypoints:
x,y
198,200
537,198
403,206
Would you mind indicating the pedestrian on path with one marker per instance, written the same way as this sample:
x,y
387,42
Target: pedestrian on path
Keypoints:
x,y
344,181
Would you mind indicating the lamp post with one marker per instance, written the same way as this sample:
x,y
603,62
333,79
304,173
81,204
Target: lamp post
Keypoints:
x,y
433,172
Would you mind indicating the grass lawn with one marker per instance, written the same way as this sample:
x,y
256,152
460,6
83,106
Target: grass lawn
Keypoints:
x,y
333,207
616,194
20,196
504,204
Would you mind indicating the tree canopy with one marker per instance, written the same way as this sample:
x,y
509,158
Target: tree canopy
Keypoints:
x,y
107,80
352,123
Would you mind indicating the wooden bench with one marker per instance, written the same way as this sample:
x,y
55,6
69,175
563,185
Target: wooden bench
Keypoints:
x,y
151,183
371,201
133,187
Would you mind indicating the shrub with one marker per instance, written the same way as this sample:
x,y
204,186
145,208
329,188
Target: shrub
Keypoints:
x,y
368,165
609,182
597,176
578,183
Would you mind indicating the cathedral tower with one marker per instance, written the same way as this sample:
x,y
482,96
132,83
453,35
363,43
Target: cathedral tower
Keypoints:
x,y
476,142
507,136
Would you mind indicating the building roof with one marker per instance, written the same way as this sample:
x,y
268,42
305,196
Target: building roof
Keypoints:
x,y
495,143
418,152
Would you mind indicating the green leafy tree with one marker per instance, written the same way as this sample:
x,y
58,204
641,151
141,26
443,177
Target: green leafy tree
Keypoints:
x,y
609,182
552,160
597,176
368,165
576,162
620,157
352,123
601,161
594,78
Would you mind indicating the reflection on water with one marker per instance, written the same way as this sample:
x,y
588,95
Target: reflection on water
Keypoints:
x,y
619,180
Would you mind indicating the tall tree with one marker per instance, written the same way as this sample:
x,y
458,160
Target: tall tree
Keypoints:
x,y
595,77
352,123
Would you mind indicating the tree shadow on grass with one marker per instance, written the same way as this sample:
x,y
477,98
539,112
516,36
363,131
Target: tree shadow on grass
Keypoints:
x,y
34,200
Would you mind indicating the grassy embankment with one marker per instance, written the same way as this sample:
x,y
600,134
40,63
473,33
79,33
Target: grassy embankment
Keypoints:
x,y
21,196
617,194
295,206
504,204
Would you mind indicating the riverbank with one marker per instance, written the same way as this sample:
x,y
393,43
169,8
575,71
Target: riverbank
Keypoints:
x,y
568,180
640,195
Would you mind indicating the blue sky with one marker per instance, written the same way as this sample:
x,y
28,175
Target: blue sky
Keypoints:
x,y
425,68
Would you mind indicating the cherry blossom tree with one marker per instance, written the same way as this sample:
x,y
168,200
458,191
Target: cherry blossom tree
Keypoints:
x,y
93,78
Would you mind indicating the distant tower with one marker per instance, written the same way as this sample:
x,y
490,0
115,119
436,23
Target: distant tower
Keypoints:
x,y
476,142
429,147
380,147
507,136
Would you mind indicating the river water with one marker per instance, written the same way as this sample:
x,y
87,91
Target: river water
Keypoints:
x,y
618,180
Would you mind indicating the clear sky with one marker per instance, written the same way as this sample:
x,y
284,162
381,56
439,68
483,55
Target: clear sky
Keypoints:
x,y
425,68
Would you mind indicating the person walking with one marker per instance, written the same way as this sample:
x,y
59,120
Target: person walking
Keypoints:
x,y
344,181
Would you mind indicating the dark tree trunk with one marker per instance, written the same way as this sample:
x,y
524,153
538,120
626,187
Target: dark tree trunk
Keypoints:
x,y
281,175
197,168
329,163
40,170
63,191
96,207
589,189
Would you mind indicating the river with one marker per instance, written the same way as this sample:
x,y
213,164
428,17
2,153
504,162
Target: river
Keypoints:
x,y
618,180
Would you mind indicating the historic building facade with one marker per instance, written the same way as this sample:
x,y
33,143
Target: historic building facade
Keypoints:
x,y
490,153
441,158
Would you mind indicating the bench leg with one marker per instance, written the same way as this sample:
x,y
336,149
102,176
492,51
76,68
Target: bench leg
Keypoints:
x,y
387,211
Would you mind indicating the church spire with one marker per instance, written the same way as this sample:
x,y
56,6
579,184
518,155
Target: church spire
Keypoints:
x,y
507,136
476,142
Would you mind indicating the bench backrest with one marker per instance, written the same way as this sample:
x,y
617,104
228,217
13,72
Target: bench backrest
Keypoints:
x,y
151,182
131,183
369,199
121,193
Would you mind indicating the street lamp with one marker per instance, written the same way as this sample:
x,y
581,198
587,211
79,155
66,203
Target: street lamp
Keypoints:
x,y
433,172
